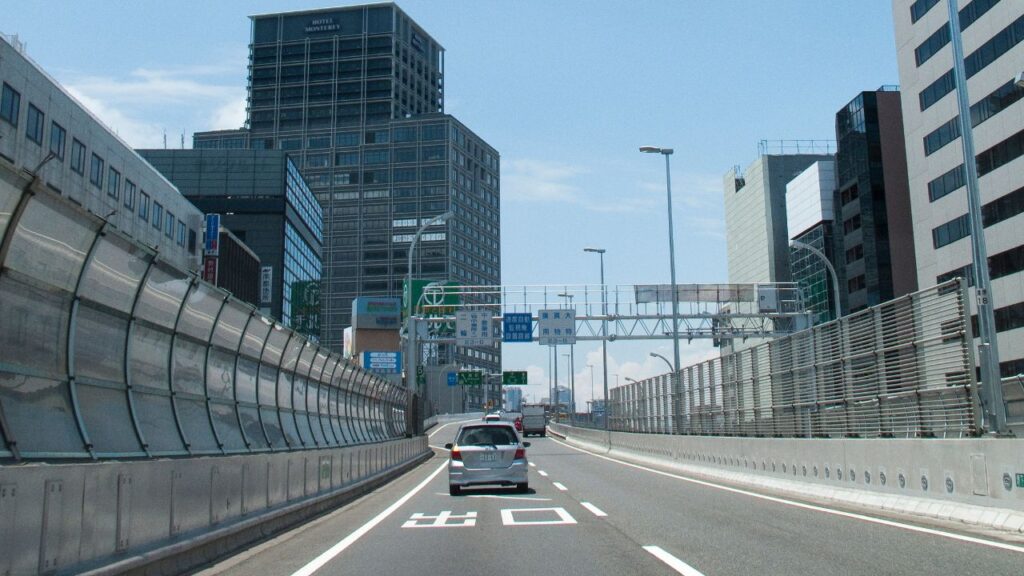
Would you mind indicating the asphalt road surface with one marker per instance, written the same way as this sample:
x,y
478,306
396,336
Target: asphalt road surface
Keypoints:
x,y
590,515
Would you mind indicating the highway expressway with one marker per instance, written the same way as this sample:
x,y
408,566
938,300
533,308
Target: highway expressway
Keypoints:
x,y
590,515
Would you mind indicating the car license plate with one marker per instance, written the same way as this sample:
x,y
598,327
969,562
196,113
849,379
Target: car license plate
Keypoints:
x,y
488,457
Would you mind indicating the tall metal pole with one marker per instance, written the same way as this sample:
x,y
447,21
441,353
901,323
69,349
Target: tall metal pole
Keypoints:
x,y
988,350
604,335
572,368
828,266
676,388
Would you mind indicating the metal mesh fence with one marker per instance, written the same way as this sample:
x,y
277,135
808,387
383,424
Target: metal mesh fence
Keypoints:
x,y
900,369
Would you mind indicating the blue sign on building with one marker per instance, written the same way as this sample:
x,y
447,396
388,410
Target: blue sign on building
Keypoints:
x,y
453,379
517,327
211,236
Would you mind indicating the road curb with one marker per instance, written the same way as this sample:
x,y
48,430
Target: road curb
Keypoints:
x,y
1005,524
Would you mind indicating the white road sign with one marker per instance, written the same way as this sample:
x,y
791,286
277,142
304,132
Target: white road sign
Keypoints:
x,y
557,326
473,328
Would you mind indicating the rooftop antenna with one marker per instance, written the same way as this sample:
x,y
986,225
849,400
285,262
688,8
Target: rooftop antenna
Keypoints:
x,y
165,139
183,140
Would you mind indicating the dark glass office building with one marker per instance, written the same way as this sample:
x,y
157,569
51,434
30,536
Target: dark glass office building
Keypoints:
x,y
874,236
264,201
356,96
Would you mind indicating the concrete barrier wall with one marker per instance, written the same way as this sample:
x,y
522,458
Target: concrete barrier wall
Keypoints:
x,y
70,517
981,471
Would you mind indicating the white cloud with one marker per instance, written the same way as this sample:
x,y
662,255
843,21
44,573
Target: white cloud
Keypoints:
x,y
136,133
230,115
529,180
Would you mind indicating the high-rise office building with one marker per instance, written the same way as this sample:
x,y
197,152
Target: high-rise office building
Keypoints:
x,y
264,201
357,94
810,220
874,235
993,40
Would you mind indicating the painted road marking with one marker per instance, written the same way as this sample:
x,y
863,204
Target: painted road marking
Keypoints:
x,y
542,473
508,517
531,498
560,486
319,562
673,562
533,464
443,520
597,511
816,508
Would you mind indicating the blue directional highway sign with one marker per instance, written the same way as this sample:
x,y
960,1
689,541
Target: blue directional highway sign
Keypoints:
x,y
453,379
517,327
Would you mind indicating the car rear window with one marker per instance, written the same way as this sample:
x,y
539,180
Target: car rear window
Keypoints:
x,y
487,435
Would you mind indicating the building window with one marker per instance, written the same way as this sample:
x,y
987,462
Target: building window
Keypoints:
x,y
346,159
433,132
158,215
855,253
951,231
371,157
346,139
849,195
113,183
936,90
96,171
169,225
851,224
34,125
129,194
947,183
77,156
57,138
1003,153
10,104
998,45
144,206
941,136
856,283
181,233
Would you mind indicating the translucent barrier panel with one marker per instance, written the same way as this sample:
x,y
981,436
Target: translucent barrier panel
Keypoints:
x,y
245,380
162,295
107,420
276,341
306,354
201,307
314,418
319,363
272,427
291,353
230,325
226,422
255,335
302,424
251,425
39,414
149,354
334,396
188,366
291,433
99,345
10,194
34,327
220,371
268,386
156,420
50,244
114,273
285,383
196,422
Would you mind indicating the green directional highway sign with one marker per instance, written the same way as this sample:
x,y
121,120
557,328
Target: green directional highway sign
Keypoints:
x,y
471,378
513,378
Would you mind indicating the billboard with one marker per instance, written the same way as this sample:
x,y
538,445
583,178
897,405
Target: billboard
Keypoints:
x,y
211,235
376,313
439,304
306,307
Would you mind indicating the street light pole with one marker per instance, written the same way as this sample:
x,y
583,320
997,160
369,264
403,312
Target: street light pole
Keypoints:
x,y
604,324
572,364
591,366
828,265
991,384
411,361
667,152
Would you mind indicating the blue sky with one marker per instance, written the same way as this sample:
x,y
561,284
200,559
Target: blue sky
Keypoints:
x,y
565,90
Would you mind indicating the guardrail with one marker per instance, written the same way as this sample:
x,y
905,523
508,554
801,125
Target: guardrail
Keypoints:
x,y
903,368
106,351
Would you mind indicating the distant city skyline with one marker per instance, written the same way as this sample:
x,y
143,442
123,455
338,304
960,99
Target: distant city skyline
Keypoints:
x,y
709,79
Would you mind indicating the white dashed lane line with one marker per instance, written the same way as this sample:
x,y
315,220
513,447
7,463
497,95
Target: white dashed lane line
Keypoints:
x,y
533,465
594,509
673,562
542,473
560,486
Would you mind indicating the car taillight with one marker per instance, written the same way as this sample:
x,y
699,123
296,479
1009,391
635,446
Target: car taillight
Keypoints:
x,y
520,453
456,454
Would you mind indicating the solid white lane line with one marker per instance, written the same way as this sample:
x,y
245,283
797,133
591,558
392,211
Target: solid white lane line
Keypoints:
x,y
816,508
340,547
673,562
594,509
542,473
560,486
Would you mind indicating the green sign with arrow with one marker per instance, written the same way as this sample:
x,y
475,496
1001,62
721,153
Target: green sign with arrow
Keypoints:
x,y
517,378
471,378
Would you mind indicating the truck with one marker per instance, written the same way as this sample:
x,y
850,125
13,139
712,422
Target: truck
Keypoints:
x,y
534,419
